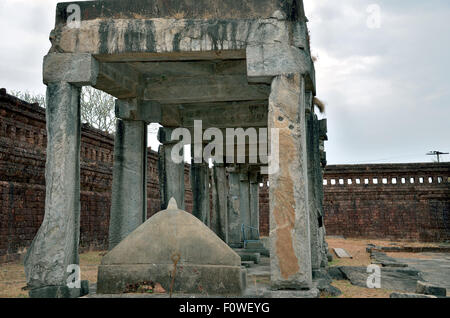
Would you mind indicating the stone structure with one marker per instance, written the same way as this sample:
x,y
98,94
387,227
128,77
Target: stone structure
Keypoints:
x,y
230,64
176,242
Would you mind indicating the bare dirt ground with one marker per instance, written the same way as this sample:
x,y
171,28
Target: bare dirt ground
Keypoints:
x,y
12,276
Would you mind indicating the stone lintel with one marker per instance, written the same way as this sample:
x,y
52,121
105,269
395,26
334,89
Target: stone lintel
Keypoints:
x,y
136,110
223,88
118,79
77,69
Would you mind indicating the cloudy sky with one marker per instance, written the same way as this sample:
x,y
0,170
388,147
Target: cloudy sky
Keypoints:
x,y
386,81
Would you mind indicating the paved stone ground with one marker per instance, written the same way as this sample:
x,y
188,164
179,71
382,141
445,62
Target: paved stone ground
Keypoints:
x,y
435,270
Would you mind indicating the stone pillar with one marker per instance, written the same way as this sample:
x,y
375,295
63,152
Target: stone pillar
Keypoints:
x,y
219,222
312,138
200,192
289,207
52,259
244,202
129,187
171,174
254,206
234,214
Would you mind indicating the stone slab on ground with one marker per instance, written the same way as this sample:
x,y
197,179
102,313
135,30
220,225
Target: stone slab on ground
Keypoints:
x,y
435,271
384,260
391,278
410,295
341,253
430,289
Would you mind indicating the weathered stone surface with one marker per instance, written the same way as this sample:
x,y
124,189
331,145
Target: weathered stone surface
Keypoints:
x,y
267,61
409,295
254,207
206,264
200,9
55,246
430,289
234,214
203,89
171,174
341,253
133,109
391,278
244,203
200,192
77,69
219,222
289,207
129,188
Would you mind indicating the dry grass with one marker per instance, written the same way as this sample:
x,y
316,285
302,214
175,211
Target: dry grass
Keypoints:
x,y
12,275
350,291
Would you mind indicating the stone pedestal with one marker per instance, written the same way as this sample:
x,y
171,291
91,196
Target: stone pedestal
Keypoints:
x,y
55,246
171,174
129,189
290,249
219,221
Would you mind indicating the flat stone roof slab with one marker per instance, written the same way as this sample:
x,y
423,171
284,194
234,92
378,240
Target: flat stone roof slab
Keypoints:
x,y
185,9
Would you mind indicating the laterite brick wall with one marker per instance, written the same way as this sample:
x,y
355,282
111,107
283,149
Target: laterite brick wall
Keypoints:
x,y
23,139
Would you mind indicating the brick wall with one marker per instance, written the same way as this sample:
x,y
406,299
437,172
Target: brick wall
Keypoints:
x,y
388,201
22,179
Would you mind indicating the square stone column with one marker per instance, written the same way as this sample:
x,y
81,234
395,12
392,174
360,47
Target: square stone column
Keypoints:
x,y
171,174
254,206
289,207
129,188
234,209
51,262
312,136
244,203
219,221
55,246
200,192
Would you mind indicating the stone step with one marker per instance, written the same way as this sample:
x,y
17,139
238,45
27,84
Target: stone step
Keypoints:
x,y
247,264
254,245
248,257
262,251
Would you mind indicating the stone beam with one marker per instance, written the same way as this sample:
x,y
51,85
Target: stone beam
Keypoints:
x,y
290,249
137,110
129,188
226,114
77,69
226,88
118,79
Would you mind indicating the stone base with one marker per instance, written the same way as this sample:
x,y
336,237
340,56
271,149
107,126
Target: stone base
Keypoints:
x,y
60,291
267,293
189,279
